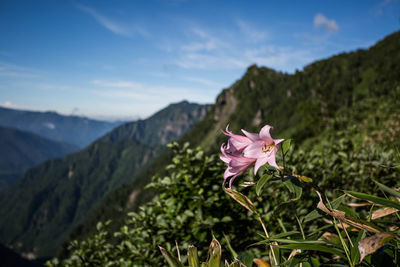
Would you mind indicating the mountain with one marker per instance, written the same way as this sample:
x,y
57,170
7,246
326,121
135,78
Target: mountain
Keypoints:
x,y
356,92
38,212
10,258
21,150
78,131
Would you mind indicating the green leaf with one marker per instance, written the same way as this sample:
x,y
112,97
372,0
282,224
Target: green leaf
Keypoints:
x,y
246,258
311,216
241,199
377,200
193,258
285,234
388,189
260,184
214,254
286,146
354,252
294,188
314,247
233,252
288,241
315,214
170,258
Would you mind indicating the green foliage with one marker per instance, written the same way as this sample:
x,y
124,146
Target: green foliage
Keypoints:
x,y
21,150
351,96
191,206
59,195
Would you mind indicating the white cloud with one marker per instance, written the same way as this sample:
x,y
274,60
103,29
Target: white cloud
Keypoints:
x,y
329,25
125,90
200,40
251,33
118,84
14,71
111,25
203,81
7,104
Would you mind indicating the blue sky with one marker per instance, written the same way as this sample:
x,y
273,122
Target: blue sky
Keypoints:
x,y
128,59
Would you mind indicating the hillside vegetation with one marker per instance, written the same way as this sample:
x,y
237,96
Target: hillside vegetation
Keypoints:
x,y
352,96
21,150
38,213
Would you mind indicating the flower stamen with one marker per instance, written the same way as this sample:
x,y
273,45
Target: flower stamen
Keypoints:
x,y
267,148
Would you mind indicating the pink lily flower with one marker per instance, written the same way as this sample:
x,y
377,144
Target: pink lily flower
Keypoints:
x,y
236,143
235,164
263,148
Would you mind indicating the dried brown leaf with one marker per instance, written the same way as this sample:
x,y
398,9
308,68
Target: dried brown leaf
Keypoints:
x,y
340,215
383,212
371,244
261,263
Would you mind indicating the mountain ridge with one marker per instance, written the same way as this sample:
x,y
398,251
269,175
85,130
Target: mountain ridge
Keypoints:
x,y
58,195
75,130
21,150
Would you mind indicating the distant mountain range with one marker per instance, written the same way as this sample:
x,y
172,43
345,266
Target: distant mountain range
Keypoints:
x,y
38,213
21,150
362,86
75,130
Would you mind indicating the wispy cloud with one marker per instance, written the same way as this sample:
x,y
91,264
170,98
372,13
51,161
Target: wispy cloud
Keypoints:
x,y
200,40
118,84
251,33
329,25
203,81
14,71
7,104
382,5
111,25
125,90
237,50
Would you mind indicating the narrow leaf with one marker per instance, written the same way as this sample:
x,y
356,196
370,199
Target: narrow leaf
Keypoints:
x,y
214,254
375,199
313,247
193,258
170,258
233,252
241,199
286,146
388,189
260,184
382,213
340,215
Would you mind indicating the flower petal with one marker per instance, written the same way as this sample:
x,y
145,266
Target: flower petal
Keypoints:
x,y
260,162
272,159
252,136
231,181
264,133
277,141
254,150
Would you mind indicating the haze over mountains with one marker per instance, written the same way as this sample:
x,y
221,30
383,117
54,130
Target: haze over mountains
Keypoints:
x,y
28,138
60,194
21,150
75,130
41,210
